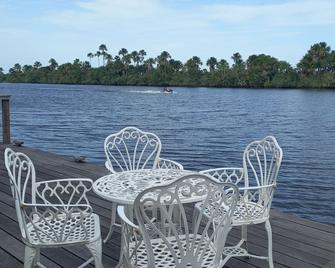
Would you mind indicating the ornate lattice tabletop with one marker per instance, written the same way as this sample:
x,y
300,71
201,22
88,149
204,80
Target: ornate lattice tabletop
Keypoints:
x,y
123,187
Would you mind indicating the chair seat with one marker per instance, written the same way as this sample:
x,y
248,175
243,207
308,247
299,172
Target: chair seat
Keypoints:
x,y
244,213
163,257
248,212
54,232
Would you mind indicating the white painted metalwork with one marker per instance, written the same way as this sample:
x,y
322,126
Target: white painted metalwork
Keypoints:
x,y
123,187
165,237
133,149
51,213
169,164
257,183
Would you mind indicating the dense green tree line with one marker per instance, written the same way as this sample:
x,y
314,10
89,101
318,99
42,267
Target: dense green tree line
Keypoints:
x,y
316,69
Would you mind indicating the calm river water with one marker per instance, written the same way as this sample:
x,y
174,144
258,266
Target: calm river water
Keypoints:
x,y
199,127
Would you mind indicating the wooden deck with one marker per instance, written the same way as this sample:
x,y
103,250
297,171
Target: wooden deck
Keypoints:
x,y
297,243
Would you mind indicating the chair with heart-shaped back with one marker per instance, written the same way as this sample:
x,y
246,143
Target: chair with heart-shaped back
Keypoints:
x,y
51,213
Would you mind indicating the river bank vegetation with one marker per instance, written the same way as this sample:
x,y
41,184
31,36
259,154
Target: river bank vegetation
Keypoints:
x,y
315,70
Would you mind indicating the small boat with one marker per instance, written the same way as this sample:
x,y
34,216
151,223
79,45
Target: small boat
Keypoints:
x,y
167,90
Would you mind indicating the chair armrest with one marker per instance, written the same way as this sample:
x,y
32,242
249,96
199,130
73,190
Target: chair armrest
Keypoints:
x,y
109,166
231,174
65,192
83,180
54,207
167,163
124,218
250,188
255,202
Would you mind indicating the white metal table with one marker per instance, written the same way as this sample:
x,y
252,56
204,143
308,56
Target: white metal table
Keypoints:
x,y
122,188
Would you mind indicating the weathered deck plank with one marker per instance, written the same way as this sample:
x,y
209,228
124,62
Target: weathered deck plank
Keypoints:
x,y
296,242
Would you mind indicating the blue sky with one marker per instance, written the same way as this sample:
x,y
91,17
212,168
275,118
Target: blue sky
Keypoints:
x,y
40,29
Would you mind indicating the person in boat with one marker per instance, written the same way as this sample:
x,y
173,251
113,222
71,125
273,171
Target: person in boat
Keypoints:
x,y
167,90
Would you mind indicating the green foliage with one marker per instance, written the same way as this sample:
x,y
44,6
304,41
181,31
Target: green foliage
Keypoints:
x,y
317,67
266,71
2,75
315,70
212,64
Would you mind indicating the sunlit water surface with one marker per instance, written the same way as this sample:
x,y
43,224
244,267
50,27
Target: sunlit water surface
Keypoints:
x,y
199,127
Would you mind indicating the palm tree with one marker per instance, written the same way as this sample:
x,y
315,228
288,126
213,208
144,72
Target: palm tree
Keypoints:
x,y
176,65
109,58
212,63
27,68
76,62
53,64
17,67
142,54
37,65
149,63
123,52
90,55
193,64
316,59
237,58
126,60
1,70
135,57
98,54
118,65
85,65
103,50
103,47
223,65
163,60
104,55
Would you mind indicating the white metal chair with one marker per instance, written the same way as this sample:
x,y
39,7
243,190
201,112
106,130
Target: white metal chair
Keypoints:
x,y
53,213
133,149
257,183
166,235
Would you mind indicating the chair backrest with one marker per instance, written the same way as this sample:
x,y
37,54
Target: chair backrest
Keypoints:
x,y
164,213
132,149
261,163
21,172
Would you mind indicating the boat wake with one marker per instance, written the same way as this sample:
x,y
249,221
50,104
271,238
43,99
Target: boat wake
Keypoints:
x,y
147,91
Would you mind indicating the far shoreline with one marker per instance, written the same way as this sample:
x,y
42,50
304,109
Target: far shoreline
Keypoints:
x,y
178,86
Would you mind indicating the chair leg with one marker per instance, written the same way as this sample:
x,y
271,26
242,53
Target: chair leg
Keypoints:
x,y
96,250
29,256
269,232
244,235
113,219
37,257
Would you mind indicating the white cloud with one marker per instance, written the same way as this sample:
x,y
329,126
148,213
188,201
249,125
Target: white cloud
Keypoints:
x,y
155,13
121,8
147,15
293,13
284,30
